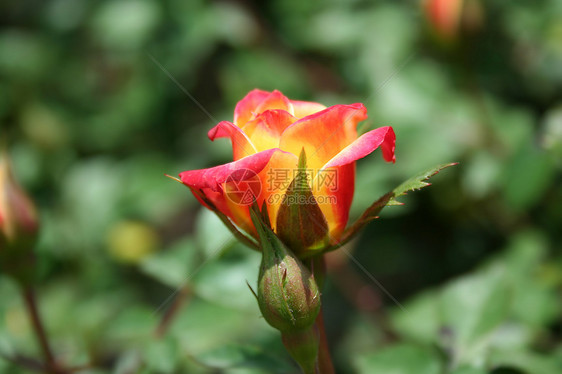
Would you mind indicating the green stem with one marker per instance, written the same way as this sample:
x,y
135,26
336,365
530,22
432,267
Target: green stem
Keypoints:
x,y
303,347
325,365
31,304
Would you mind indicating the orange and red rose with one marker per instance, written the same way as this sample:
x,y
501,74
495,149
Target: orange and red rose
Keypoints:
x,y
268,134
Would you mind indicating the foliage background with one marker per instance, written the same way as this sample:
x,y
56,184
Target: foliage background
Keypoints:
x,y
93,122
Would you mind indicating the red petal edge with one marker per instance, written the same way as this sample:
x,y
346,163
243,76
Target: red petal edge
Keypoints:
x,y
366,144
213,177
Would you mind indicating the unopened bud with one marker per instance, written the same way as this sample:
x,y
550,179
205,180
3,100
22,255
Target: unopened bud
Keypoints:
x,y
288,296
18,224
450,18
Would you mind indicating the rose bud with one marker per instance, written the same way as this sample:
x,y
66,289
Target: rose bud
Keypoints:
x,y
449,18
288,296
18,224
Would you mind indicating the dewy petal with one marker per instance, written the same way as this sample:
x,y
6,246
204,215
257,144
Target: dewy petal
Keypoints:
x,y
323,134
306,108
212,178
242,146
265,130
258,101
383,137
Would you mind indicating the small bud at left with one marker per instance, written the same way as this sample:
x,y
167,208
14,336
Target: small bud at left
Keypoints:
x,y
18,224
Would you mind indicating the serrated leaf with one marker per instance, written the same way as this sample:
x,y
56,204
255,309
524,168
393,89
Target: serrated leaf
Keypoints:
x,y
417,182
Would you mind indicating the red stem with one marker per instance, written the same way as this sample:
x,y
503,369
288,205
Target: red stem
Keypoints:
x,y
31,304
171,313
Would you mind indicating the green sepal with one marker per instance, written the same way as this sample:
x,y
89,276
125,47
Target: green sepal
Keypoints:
x,y
300,222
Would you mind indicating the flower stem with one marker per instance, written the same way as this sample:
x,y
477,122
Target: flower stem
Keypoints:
x,y
303,347
325,365
171,313
31,304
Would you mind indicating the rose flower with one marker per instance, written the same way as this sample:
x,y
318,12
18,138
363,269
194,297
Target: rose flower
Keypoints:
x,y
293,153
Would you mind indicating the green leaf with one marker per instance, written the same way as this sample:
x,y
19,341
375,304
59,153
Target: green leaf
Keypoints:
x,y
400,359
523,258
173,266
201,326
417,182
223,280
527,178
161,356
424,308
134,323
526,361
469,370
211,235
237,356
473,305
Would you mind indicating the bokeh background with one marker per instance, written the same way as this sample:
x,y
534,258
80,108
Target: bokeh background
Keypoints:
x,y
95,107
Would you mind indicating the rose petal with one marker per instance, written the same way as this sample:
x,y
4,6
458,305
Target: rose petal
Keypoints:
x,y
366,144
276,178
338,195
213,177
258,101
242,146
333,189
266,129
216,197
306,108
323,134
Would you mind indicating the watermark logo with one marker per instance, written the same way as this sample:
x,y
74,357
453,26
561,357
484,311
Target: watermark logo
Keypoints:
x,y
281,179
243,187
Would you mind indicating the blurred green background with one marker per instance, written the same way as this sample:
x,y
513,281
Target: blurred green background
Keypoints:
x,y
93,121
